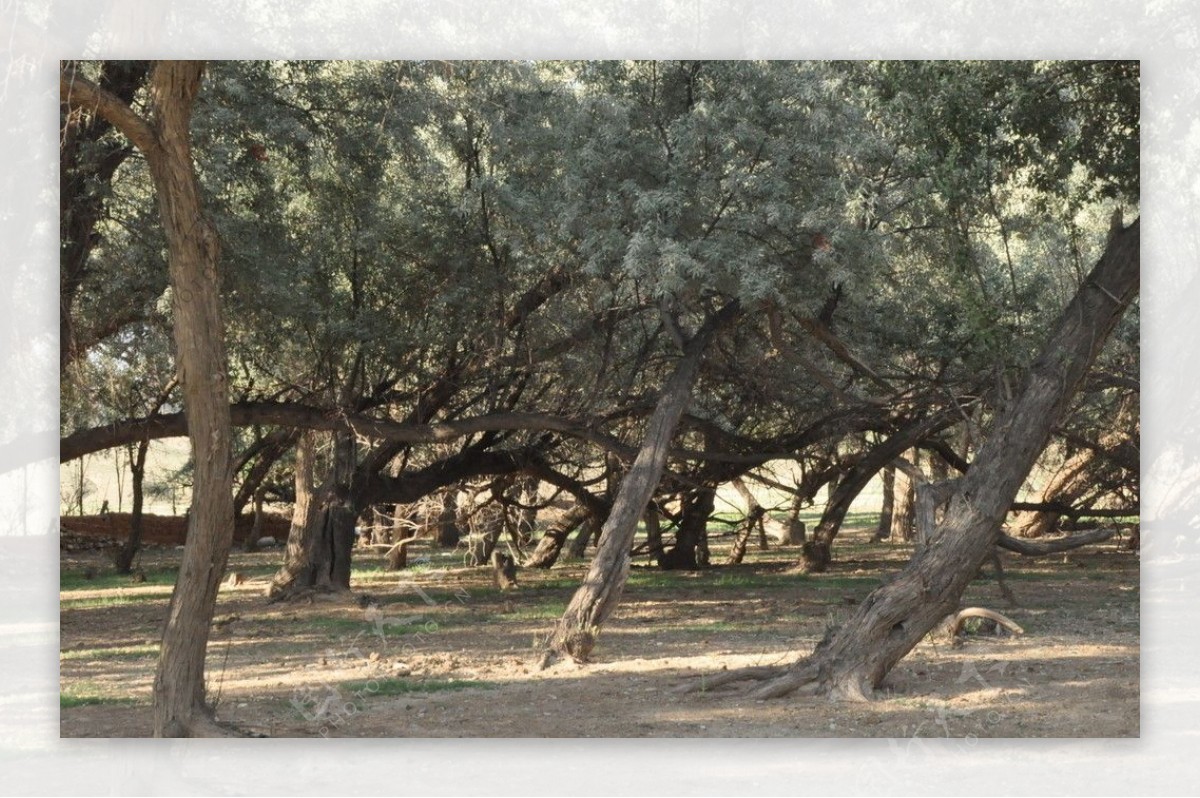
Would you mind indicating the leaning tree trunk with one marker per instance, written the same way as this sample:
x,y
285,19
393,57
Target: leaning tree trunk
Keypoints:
x,y
854,660
297,542
551,543
193,255
576,632
818,552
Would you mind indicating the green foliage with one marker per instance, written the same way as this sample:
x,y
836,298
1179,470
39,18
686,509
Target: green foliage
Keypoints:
x,y
532,236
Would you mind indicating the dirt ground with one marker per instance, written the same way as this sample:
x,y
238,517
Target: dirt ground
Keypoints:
x,y
439,651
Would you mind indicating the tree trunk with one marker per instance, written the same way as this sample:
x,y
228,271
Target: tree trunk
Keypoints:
x,y
818,552
297,542
133,544
318,554
654,544
794,533
854,660
690,537
575,634
1063,487
193,254
549,547
448,533
137,522
904,518
752,521
579,543
883,529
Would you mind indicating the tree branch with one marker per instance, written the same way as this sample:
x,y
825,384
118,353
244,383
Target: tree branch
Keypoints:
x,y
81,94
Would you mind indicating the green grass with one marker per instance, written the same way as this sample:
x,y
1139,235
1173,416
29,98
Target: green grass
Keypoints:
x,y
76,580
86,694
385,687
146,651
112,601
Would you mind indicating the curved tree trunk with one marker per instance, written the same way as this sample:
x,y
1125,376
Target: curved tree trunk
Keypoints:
x,y
854,660
818,552
551,543
576,632
193,257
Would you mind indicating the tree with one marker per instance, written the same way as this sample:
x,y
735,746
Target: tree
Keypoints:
x,y
575,634
193,258
854,660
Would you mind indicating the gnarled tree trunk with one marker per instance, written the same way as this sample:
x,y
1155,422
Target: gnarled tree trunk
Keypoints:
x,y
854,660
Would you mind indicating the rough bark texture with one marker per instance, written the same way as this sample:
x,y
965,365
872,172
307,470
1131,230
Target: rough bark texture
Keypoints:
x,y
576,632
904,517
318,555
854,660
193,257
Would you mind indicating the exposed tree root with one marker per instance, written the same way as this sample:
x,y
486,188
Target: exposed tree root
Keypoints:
x,y
953,623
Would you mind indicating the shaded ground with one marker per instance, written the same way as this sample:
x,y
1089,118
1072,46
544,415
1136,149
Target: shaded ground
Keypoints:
x,y
443,653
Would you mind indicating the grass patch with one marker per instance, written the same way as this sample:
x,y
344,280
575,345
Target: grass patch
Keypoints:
x,y
77,580
88,695
118,600
117,652
385,687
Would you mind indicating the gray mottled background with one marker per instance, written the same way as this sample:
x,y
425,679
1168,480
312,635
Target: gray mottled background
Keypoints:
x,y
1164,34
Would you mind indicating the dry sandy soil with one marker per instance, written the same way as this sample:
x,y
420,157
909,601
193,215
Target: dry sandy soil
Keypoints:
x,y
442,653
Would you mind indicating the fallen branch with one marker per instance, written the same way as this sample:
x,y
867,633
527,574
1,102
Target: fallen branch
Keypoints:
x,y
1030,549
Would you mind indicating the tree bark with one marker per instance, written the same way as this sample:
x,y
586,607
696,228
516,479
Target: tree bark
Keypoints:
x,y
818,552
133,544
551,543
904,517
576,632
193,255
294,559
318,556
690,536
883,529
1065,486
854,660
